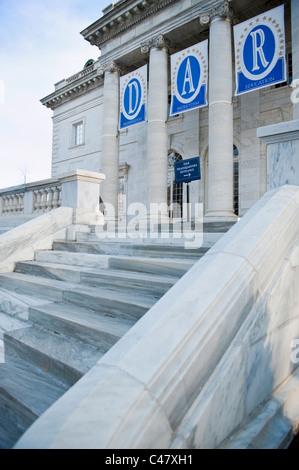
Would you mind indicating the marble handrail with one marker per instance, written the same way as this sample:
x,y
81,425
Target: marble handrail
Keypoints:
x,y
21,242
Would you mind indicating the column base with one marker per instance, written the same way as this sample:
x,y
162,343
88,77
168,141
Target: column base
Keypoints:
x,y
220,216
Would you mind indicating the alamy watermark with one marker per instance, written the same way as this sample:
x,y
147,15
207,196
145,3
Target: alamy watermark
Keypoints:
x,y
295,92
295,352
154,222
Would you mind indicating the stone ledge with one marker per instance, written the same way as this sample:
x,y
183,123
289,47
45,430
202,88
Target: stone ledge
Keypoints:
x,y
282,132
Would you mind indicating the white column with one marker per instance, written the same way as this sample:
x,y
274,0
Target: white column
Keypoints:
x,y
157,137
110,140
295,52
220,185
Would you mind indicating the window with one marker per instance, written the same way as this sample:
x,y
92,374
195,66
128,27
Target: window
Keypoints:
x,y
78,133
174,190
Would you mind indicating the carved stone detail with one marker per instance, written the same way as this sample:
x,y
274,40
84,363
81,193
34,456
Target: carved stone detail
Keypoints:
x,y
111,67
222,11
160,42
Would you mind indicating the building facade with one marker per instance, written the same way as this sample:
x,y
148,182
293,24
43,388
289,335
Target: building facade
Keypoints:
x,y
138,161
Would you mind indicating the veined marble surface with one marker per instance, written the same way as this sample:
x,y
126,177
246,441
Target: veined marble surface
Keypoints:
x,y
282,153
283,164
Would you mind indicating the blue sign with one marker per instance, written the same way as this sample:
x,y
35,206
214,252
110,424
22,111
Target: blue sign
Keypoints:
x,y
187,170
189,77
260,51
133,96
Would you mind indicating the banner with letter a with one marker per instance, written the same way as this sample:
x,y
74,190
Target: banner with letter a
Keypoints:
x,y
133,97
260,51
189,78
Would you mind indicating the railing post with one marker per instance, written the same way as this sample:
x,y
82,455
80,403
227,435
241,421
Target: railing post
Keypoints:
x,y
28,202
80,190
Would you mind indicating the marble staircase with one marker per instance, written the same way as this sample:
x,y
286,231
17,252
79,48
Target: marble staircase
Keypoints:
x,y
60,313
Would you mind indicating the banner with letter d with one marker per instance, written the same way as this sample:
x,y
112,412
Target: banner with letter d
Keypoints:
x,y
260,51
133,97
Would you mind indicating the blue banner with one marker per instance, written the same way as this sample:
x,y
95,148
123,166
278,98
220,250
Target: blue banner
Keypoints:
x,y
260,51
133,98
189,78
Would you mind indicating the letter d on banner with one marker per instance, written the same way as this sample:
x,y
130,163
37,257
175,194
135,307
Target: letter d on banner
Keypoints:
x,y
133,97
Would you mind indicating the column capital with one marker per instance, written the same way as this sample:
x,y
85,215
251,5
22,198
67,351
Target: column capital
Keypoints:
x,y
159,42
224,11
112,67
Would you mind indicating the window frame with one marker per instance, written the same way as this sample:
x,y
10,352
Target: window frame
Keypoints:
x,y
73,133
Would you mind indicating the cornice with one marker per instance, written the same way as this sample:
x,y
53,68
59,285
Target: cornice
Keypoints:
x,y
119,19
74,86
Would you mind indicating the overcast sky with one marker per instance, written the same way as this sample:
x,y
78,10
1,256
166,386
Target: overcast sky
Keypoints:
x,y
40,44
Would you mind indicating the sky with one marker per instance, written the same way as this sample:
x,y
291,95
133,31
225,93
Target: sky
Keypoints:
x,y
40,44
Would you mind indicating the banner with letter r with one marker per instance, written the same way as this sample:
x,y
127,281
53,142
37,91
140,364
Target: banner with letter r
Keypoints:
x,y
260,51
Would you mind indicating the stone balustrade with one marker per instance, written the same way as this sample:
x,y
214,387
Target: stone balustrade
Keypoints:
x,y
78,189
32,198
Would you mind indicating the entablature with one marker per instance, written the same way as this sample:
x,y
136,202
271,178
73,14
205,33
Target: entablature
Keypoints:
x,y
74,86
121,16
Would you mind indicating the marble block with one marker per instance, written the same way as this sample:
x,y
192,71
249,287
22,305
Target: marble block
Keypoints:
x,y
282,153
80,189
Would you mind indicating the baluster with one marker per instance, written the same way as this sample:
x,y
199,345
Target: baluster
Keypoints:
x,y
56,197
37,204
21,202
44,200
6,202
50,199
15,203
11,203
3,205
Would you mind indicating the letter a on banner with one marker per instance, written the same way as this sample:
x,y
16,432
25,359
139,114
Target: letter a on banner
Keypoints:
x,y
189,77
260,51
133,97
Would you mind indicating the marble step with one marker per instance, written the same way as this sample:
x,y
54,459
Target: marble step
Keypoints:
x,y
112,248
83,325
102,300
25,393
179,239
61,357
173,227
162,266
111,279
17,305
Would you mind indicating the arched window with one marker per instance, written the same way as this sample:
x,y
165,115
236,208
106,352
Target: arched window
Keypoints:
x,y
174,191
